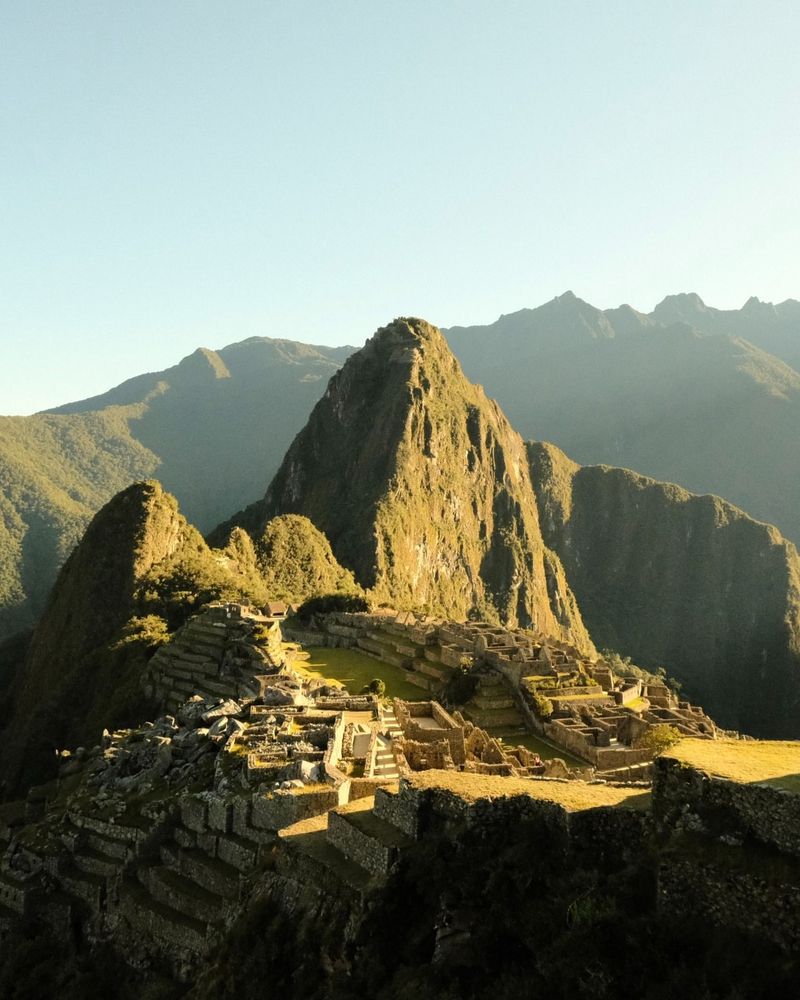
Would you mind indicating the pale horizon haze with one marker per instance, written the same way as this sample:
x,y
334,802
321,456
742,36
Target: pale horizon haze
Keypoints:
x,y
176,175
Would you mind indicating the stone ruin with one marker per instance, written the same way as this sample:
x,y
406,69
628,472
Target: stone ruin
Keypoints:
x,y
156,838
597,716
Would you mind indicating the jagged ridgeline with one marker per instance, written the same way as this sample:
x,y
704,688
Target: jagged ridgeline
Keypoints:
x,y
192,425
140,570
686,581
422,488
677,394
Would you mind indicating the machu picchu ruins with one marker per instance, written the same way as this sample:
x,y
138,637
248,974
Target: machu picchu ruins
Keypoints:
x,y
259,775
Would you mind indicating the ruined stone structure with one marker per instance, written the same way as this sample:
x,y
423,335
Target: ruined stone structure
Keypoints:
x,y
597,717
159,837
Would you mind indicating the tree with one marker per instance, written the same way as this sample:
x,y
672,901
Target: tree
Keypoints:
x,y
658,739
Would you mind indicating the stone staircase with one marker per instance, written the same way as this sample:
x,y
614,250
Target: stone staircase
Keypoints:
x,y
492,706
353,843
385,764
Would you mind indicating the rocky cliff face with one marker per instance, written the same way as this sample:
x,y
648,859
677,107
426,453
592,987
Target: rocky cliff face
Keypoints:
x,y
422,488
683,581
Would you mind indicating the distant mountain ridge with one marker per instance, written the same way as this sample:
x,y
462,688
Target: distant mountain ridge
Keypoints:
x,y
774,328
697,401
210,428
701,407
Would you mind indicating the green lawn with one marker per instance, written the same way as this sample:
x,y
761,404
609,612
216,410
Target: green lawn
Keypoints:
x,y
354,670
513,737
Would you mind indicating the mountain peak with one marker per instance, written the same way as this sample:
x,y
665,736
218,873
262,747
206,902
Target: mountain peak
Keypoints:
x,y
204,362
422,488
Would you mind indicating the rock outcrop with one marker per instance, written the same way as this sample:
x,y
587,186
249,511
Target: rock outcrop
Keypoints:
x,y
422,487
682,581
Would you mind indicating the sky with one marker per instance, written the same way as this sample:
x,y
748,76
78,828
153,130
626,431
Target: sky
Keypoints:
x,y
175,175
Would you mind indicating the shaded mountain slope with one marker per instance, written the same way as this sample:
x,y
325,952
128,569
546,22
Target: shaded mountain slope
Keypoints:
x,y
710,411
774,327
55,472
213,428
422,488
683,581
137,573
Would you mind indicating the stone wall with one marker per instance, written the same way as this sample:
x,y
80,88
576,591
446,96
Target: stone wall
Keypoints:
x,y
283,808
368,852
732,897
760,812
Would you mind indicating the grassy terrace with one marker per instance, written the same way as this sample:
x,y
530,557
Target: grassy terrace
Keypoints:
x,y
353,670
574,796
514,736
773,762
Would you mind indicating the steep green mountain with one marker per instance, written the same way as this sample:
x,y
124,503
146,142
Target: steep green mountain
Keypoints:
x,y
136,575
296,561
213,428
708,410
683,581
422,488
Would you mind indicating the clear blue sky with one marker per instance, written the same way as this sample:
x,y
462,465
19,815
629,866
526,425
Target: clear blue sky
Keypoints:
x,y
182,174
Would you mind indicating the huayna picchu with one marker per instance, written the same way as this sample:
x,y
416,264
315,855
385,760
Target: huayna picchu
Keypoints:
x,y
361,742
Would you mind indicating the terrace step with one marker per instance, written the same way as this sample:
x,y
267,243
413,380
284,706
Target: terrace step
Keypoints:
x,y
8,918
165,926
365,839
492,718
14,892
93,862
87,886
309,838
213,874
238,852
181,893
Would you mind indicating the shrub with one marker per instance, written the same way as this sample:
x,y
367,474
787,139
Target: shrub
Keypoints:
x,y
375,686
460,686
658,738
326,603
542,705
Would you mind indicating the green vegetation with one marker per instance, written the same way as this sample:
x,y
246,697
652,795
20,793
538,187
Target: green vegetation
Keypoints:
x,y
775,762
380,469
376,686
460,687
325,604
140,571
190,425
657,739
296,561
714,413
355,671
542,705
623,666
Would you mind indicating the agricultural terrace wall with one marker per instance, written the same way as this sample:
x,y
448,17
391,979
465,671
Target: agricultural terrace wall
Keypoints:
x,y
762,812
